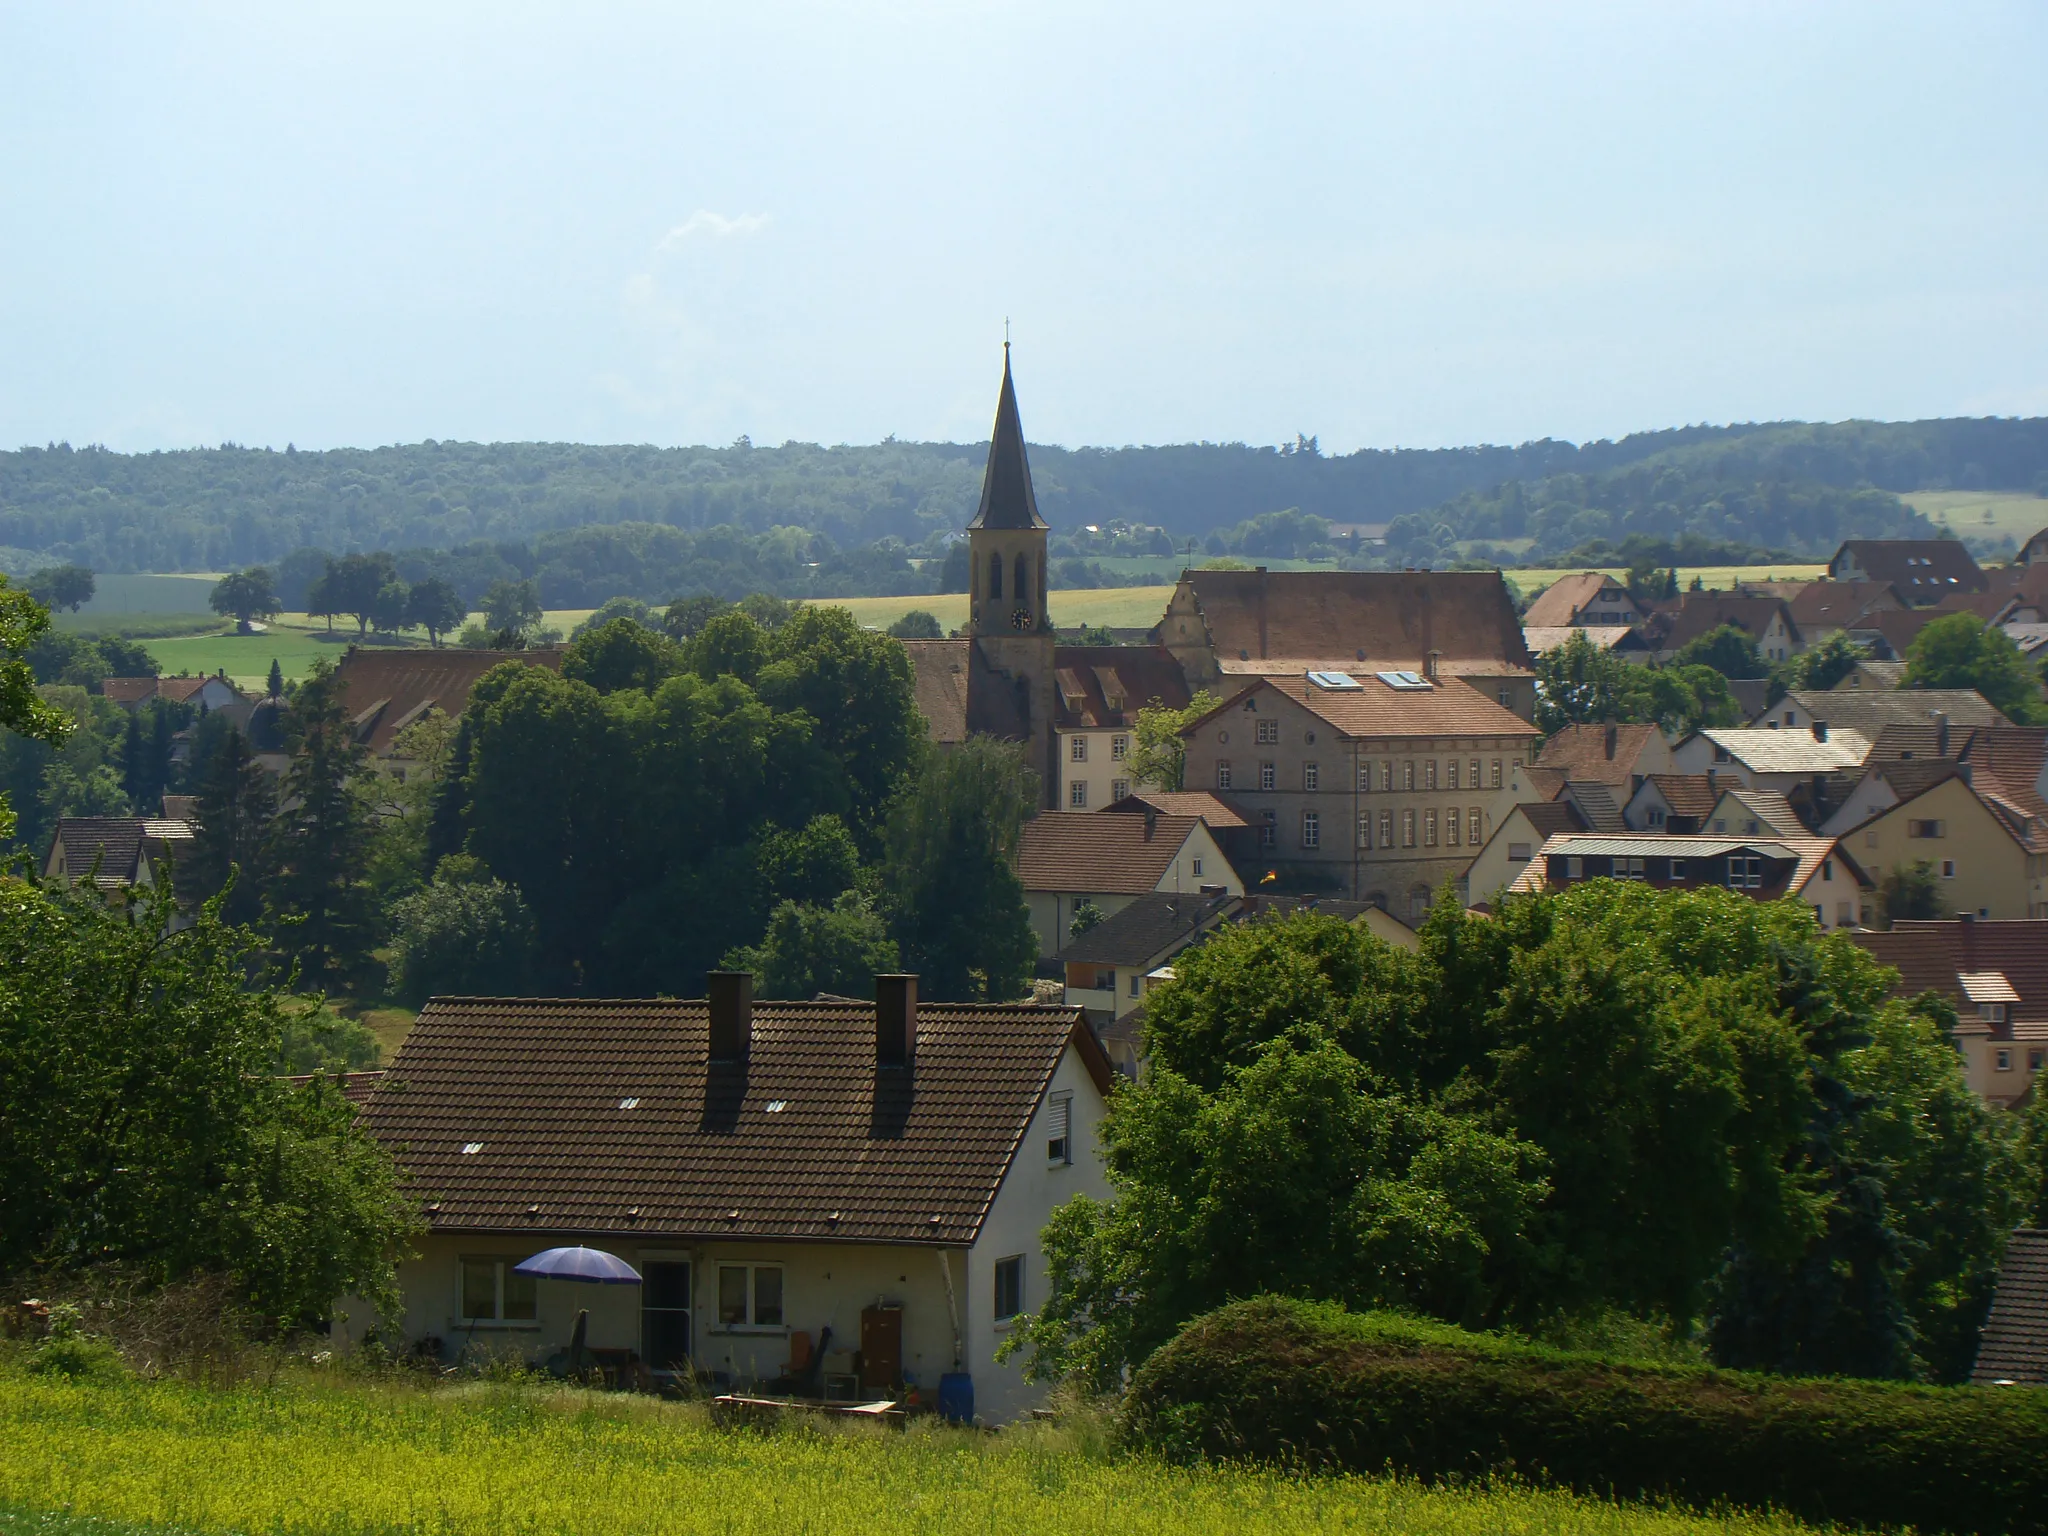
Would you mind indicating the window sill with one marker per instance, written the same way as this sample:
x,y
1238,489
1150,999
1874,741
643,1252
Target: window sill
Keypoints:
x,y
491,1325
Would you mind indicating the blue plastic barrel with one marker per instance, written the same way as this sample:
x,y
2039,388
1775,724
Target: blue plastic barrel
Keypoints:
x,y
956,1397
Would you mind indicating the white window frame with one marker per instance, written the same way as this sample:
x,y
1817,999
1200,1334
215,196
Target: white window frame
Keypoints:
x,y
1077,794
1269,776
1119,748
501,1271
1059,1130
1223,773
1119,789
753,1270
1195,866
1010,1268
1311,829
1266,733
1311,777
1077,749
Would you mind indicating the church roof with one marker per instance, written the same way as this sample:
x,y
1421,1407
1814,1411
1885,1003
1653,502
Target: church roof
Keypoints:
x,y
1302,620
959,696
1007,500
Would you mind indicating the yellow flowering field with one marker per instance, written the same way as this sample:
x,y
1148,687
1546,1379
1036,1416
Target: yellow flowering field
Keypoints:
x,y
314,1456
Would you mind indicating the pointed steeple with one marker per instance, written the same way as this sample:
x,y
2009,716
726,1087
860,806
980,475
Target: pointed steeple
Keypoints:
x,y
1007,500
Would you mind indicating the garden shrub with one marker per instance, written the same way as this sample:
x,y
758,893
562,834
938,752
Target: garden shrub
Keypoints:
x,y
1317,1387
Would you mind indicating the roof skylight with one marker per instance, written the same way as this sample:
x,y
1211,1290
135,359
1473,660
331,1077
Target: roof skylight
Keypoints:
x,y
1336,682
1408,681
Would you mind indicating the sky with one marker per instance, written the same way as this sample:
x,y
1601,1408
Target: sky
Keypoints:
x,y
1422,225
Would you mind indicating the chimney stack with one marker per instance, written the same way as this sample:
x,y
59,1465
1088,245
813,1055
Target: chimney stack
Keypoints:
x,y
1429,664
731,995
1613,739
895,1022
1941,732
1820,730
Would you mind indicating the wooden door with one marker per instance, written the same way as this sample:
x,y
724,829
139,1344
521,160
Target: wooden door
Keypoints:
x,y
881,1349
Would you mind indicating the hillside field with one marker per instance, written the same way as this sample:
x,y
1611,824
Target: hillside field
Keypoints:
x,y
2018,515
310,1456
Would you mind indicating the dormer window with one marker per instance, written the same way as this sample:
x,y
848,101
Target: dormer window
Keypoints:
x,y
1991,1013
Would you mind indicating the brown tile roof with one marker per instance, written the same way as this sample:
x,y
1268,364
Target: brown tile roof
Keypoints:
x,y
1388,619
807,1140
1215,812
1452,707
1557,605
384,690
1148,929
1896,627
1835,604
1870,713
1099,853
1607,753
1701,613
1872,674
1598,804
1550,817
959,696
128,690
1934,956
1805,855
1687,794
119,842
2014,1345
1102,685
1545,783
1542,639
1921,569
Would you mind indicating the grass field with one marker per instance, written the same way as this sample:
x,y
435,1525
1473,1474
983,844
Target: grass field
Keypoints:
x,y
1719,577
2018,515
306,1457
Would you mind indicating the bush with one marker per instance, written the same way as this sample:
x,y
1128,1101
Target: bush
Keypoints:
x,y
1318,1387
461,937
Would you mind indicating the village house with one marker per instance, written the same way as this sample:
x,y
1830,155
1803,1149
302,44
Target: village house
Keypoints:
x,y
130,851
1983,835
1869,714
1100,691
1823,609
1228,824
1671,802
1922,571
202,692
1111,859
1872,677
1814,871
839,1198
1620,756
1763,759
1113,966
1995,976
1506,854
1587,600
1228,627
1740,812
1628,644
1765,619
384,690
1372,786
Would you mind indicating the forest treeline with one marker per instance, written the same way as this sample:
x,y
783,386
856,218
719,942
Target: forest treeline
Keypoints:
x,y
848,519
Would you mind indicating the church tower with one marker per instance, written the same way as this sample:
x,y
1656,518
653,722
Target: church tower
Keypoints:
x,y
1006,604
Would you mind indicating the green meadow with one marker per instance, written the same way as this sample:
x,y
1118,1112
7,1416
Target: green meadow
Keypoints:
x,y
303,1455
2018,515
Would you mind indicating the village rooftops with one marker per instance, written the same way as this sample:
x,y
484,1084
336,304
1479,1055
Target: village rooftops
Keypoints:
x,y
385,690
512,1115
959,695
1764,868
1101,853
1217,813
1588,599
1149,927
1922,570
1973,962
1764,751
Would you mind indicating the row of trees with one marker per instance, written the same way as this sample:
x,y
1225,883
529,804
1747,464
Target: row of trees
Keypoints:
x,y
1686,1108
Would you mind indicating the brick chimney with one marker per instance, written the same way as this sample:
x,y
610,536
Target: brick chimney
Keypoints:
x,y
731,995
1613,739
895,1022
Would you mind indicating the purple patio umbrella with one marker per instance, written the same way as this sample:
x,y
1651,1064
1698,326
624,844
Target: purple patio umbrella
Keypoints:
x,y
591,1265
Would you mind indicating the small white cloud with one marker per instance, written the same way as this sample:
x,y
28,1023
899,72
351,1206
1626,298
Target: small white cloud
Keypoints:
x,y
716,226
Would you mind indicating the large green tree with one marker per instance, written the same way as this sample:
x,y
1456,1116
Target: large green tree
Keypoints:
x,y
809,949
1159,757
140,1125
316,904
949,878
1962,651
1690,1107
245,596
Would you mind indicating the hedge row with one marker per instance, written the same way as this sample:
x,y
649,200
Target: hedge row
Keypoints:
x,y
1317,1387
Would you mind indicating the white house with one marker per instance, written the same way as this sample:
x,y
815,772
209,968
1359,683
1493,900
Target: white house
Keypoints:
x,y
1111,860
842,1199
1766,759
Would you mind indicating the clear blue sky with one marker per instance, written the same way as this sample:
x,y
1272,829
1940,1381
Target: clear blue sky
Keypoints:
x,y
360,223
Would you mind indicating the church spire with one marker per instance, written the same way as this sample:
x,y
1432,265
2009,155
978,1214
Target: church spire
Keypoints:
x,y
1007,500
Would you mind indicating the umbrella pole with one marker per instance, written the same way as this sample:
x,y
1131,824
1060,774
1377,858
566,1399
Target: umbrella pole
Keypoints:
x,y
576,1338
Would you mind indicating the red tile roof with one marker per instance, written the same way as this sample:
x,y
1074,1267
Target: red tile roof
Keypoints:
x,y
1606,753
959,696
1837,604
1933,957
1216,813
1922,569
1110,855
807,1140
384,690
1450,707
1103,685
1557,606
1394,618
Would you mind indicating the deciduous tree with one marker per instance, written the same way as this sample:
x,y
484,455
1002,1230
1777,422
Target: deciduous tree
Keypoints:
x,y
1962,651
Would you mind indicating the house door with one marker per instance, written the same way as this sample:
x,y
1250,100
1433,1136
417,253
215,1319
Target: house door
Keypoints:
x,y
881,1348
665,1315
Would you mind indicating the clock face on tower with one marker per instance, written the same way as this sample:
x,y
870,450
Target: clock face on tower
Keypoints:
x,y
1021,619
